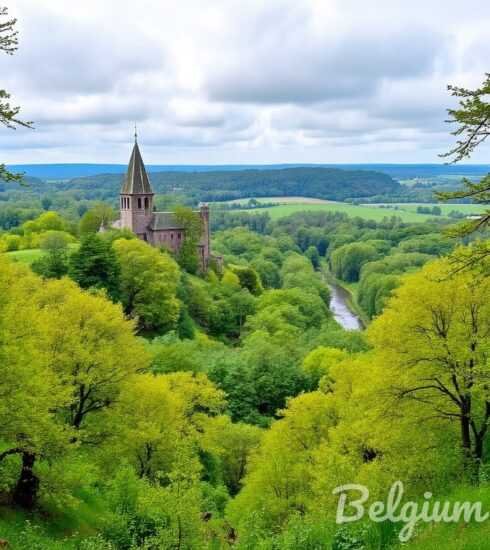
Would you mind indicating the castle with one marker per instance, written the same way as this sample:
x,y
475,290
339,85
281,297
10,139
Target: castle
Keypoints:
x,y
160,229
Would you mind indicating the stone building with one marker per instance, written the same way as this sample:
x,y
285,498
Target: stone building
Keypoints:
x,y
160,229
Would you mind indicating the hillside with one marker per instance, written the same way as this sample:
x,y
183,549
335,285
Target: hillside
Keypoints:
x,y
398,171
326,183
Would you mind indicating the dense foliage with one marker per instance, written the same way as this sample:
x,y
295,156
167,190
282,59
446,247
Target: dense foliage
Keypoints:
x,y
231,421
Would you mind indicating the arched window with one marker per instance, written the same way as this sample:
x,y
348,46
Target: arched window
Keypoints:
x,y
147,203
139,203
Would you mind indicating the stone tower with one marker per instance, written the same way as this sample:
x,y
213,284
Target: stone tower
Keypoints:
x,y
136,200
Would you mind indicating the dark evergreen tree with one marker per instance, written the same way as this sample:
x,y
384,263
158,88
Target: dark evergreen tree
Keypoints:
x,y
312,254
95,265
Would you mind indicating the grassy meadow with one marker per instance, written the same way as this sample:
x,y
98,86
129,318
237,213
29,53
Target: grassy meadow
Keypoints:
x,y
366,212
284,206
30,255
25,256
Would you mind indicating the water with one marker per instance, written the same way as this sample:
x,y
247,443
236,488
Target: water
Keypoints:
x,y
340,309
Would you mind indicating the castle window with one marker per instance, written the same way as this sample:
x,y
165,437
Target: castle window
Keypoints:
x,y
179,236
172,236
139,203
147,203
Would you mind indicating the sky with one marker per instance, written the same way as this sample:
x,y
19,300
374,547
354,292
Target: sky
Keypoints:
x,y
241,81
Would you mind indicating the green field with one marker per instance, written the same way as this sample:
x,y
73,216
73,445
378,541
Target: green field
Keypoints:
x,y
32,254
25,256
467,209
366,212
406,211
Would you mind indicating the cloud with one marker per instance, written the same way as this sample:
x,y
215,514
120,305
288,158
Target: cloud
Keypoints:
x,y
234,81
297,67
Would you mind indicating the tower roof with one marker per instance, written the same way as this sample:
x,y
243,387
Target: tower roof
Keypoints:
x,y
136,179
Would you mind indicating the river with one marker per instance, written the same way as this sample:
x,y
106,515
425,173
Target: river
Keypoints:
x,y
340,308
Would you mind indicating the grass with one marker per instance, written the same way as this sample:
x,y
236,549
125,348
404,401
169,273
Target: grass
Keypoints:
x,y
30,255
467,209
25,256
367,212
54,529
406,211
458,536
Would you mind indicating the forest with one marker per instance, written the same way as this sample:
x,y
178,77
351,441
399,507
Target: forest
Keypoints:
x,y
234,408
75,196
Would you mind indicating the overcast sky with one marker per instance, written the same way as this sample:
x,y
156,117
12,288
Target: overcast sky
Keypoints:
x,y
241,81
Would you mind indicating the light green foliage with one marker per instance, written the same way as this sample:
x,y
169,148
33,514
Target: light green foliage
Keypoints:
x,y
233,443
148,280
318,363
231,427
297,307
248,277
433,244
30,392
297,272
220,307
374,291
100,216
46,222
187,256
347,261
53,264
61,363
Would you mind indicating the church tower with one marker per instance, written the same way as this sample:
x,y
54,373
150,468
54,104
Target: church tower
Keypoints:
x,y
136,197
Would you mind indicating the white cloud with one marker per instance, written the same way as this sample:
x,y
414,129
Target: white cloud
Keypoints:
x,y
234,81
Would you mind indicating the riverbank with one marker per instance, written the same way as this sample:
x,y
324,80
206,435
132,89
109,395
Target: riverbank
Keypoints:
x,y
348,296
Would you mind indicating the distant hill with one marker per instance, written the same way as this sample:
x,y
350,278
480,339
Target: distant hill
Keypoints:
x,y
398,171
325,183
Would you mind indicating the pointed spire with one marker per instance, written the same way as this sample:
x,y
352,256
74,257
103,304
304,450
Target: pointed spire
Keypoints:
x,y
135,134
136,181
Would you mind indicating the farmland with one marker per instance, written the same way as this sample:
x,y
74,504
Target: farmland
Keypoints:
x,y
366,212
284,206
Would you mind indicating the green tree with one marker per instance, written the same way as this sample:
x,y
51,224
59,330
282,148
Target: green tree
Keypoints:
x,y
248,277
91,347
54,264
191,222
149,281
347,261
233,443
312,254
434,333
8,113
95,265
100,216
472,118
30,392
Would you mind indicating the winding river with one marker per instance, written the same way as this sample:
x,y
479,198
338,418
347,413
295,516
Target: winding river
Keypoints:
x,y
339,304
